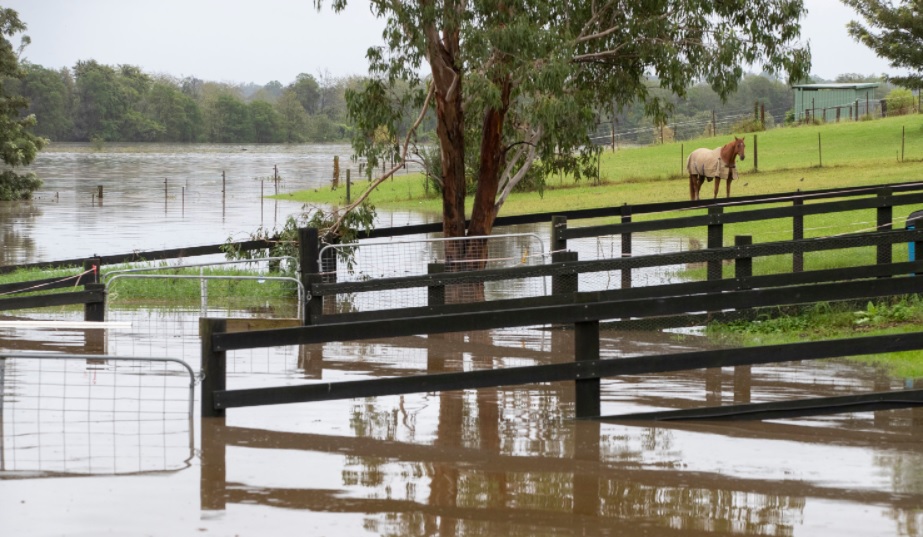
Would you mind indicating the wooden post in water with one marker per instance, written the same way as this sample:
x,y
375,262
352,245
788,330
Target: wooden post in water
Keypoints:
x,y
214,366
95,311
310,271
626,246
586,347
213,468
435,293
561,283
743,271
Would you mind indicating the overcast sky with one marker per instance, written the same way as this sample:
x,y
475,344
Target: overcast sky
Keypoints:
x,y
264,40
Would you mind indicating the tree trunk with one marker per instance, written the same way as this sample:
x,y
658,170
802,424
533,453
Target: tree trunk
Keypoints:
x,y
484,210
442,53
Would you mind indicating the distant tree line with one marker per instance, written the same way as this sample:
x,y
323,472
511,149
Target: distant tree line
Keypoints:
x,y
103,103
96,102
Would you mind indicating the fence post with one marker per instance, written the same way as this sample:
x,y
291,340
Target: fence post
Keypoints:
x,y
564,283
95,311
310,272
715,240
743,265
756,154
626,246
797,235
558,225
561,283
214,366
884,217
435,293
91,267
586,347
213,467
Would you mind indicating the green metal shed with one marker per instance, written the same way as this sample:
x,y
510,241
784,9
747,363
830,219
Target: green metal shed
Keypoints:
x,y
833,101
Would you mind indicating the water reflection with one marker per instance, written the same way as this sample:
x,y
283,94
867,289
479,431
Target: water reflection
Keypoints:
x,y
15,243
496,462
513,462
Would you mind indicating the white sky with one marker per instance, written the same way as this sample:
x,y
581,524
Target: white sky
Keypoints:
x,y
264,40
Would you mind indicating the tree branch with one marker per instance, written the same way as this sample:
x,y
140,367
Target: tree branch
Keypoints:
x,y
339,221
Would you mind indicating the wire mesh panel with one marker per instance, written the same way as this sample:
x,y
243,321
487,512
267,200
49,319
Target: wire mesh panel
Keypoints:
x,y
396,258
94,414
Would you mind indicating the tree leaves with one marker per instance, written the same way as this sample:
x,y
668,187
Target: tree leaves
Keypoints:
x,y
18,144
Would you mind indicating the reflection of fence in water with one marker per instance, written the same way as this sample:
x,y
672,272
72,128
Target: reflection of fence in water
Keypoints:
x,y
396,258
94,414
610,247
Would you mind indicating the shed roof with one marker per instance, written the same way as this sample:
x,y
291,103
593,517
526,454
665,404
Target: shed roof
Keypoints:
x,y
844,85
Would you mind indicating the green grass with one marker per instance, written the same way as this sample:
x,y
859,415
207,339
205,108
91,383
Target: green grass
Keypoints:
x,y
859,153
172,292
821,321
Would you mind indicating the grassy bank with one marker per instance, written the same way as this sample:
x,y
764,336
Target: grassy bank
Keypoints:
x,y
850,154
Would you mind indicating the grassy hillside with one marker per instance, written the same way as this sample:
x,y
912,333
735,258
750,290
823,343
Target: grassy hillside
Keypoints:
x,y
851,154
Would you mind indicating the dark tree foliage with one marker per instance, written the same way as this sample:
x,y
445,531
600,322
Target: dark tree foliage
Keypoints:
x,y
18,144
893,31
517,84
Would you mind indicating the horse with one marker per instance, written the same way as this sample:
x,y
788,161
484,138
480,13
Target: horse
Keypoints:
x,y
720,163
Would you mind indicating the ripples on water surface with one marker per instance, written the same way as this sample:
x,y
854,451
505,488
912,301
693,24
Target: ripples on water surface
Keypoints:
x,y
159,196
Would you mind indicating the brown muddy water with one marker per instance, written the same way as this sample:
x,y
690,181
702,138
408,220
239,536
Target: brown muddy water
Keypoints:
x,y
93,447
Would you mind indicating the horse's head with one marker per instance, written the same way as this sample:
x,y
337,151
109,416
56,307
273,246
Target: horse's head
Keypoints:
x,y
739,147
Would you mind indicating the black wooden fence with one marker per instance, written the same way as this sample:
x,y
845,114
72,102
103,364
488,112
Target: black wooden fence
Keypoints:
x,y
584,311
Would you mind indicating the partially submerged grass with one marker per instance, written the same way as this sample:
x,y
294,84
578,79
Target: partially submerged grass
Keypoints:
x,y
172,291
822,321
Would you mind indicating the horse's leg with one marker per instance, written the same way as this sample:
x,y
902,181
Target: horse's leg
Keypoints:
x,y
692,187
717,184
699,181
729,186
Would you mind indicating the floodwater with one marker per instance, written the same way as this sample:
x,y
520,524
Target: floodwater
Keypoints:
x,y
92,447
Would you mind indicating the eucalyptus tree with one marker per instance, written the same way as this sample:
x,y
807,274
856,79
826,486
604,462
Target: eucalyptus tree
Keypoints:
x,y
516,83
893,30
18,144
